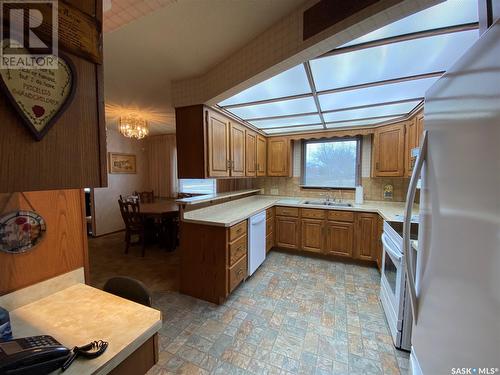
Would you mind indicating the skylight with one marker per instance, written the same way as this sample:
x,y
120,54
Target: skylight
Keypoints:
x,y
377,78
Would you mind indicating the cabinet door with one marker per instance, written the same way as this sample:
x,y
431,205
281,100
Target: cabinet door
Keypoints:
x,y
250,153
261,155
420,127
287,232
339,238
237,150
312,235
388,151
411,143
367,230
218,145
278,155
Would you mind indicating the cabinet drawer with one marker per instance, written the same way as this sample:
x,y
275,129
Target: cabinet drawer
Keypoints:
x,y
269,242
311,213
287,211
237,230
341,216
237,249
237,273
269,213
269,226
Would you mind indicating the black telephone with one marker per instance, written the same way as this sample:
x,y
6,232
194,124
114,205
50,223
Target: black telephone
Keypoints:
x,y
32,355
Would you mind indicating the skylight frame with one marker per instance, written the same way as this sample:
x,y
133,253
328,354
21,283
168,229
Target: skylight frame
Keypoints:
x,y
315,94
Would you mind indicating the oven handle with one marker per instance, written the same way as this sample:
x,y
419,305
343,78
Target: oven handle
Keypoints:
x,y
410,197
390,249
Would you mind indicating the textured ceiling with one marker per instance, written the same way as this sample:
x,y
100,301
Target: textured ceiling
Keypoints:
x,y
149,43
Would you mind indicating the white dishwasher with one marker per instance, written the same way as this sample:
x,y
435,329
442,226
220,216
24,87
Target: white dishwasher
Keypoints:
x,y
256,241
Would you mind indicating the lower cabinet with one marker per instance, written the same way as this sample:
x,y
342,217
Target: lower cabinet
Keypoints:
x,y
339,238
287,232
367,236
312,235
270,229
349,234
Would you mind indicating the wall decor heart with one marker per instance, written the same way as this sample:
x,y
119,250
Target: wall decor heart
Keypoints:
x,y
40,96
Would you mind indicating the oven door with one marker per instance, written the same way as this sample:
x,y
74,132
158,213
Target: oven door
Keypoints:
x,y
392,287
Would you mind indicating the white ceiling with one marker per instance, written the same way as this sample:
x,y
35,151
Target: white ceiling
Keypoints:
x,y
175,40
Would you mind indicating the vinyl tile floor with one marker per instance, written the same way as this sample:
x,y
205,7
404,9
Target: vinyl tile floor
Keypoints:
x,y
295,315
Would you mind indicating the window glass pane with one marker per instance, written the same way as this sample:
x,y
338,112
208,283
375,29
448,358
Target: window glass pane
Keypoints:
x,y
283,108
390,61
287,121
449,13
293,129
361,113
197,186
361,122
330,164
376,94
291,82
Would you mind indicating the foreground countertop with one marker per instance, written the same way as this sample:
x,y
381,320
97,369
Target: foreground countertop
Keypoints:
x,y
80,314
230,213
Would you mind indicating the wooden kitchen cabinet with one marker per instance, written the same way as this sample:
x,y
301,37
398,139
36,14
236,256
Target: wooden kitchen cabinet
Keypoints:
x,y
251,153
339,238
278,157
218,128
210,145
411,142
261,155
287,232
312,235
270,224
237,149
72,154
388,152
367,236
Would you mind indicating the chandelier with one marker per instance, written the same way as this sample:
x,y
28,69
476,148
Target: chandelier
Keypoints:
x,y
133,126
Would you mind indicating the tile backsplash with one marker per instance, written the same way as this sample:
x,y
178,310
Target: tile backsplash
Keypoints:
x,y
373,188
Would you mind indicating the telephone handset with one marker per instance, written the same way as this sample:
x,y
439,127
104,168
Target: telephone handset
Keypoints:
x,y
32,355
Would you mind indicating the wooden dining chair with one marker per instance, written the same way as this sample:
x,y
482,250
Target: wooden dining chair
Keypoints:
x,y
146,196
134,224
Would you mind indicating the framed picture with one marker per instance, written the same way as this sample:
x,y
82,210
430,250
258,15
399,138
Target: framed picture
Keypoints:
x,y
122,163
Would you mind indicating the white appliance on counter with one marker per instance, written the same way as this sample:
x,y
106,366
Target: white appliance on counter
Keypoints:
x,y
455,291
393,287
256,241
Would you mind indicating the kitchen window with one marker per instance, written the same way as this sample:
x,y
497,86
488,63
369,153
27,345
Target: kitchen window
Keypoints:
x,y
331,163
197,186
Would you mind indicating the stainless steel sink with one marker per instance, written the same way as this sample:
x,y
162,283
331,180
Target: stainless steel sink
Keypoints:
x,y
328,203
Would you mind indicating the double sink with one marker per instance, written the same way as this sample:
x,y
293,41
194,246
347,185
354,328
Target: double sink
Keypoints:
x,y
327,203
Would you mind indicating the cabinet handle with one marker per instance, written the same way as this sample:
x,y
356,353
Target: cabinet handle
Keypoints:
x,y
228,164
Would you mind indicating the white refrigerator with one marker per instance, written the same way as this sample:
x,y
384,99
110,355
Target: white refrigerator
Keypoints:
x,y
456,295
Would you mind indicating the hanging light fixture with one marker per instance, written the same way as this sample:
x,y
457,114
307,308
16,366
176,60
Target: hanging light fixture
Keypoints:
x,y
133,126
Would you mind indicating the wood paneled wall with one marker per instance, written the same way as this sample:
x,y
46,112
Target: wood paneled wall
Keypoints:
x,y
64,247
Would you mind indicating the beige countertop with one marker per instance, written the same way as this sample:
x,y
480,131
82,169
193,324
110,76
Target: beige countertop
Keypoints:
x,y
230,213
215,197
80,314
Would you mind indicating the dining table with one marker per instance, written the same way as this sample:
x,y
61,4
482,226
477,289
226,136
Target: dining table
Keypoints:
x,y
165,213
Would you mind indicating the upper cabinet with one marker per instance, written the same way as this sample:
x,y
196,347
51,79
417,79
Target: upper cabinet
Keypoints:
x,y
388,152
251,153
414,132
261,155
72,153
279,157
211,145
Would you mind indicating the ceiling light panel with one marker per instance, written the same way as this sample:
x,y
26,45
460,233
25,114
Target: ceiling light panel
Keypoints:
x,y
376,94
449,13
294,129
391,61
287,121
291,82
281,108
363,113
362,122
